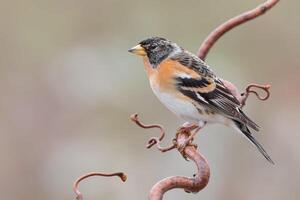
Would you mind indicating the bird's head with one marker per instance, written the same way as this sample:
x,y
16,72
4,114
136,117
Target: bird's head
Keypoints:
x,y
156,49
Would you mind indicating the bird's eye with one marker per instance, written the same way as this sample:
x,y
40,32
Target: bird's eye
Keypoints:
x,y
154,48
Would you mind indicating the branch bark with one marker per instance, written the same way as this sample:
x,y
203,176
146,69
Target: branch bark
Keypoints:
x,y
79,196
232,23
213,37
195,184
182,143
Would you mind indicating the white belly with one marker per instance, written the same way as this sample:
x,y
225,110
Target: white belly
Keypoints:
x,y
186,110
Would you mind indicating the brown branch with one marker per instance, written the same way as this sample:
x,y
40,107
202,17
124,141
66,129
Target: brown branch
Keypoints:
x,y
154,140
195,184
227,26
248,90
245,95
230,24
79,196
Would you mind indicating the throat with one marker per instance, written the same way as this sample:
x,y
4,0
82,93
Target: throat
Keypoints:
x,y
148,66
156,59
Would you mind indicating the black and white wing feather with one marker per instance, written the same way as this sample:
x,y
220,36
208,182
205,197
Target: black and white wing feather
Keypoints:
x,y
208,90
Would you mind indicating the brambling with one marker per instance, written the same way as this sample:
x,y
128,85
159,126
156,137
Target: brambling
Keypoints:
x,y
190,89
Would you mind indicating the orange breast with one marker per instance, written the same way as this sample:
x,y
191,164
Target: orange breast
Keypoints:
x,y
163,75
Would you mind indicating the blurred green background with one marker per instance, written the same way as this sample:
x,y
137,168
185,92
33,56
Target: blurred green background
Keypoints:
x,y
68,86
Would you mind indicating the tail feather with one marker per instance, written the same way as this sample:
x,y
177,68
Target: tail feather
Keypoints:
x,y
248,121
244,129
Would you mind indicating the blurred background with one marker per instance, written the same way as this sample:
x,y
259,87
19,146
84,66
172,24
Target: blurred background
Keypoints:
x,y
68,86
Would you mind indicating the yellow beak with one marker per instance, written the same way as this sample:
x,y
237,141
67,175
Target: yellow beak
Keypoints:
x,y
138,50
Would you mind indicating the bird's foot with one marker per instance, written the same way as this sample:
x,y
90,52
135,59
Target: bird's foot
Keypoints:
x,y
189,125
187,128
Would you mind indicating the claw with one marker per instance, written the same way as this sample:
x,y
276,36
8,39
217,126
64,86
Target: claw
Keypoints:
x,y
187,128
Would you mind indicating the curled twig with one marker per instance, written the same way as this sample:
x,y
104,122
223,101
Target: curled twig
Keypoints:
x,y
230,24
242,98
248,90
189,150
79,196
195,184
154,140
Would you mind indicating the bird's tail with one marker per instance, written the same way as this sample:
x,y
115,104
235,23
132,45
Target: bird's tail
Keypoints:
x,y
246,132
248,121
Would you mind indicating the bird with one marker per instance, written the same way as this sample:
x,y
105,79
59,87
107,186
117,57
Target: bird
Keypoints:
x,y
188,87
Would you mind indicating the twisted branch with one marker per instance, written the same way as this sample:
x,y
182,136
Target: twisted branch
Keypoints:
x,y
200,179
245,95
232,23
79,196
195,184
154,140
242,97
213,37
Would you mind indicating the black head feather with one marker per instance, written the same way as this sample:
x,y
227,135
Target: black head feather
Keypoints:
x,y
158,49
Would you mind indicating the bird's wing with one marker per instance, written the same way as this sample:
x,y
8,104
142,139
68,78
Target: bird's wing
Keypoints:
x,y
208,90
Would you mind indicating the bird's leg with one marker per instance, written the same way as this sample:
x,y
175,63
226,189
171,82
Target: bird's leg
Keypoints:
x,y
193,134
189,127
